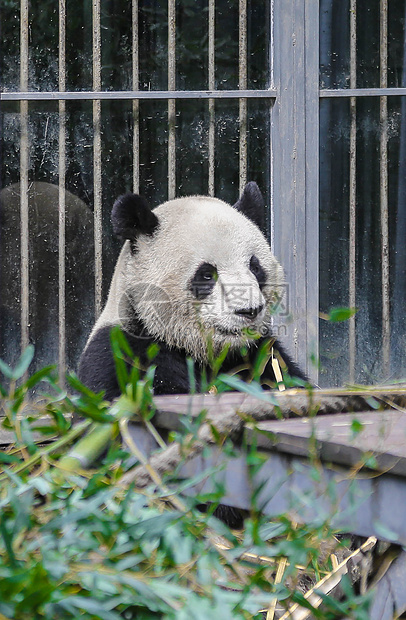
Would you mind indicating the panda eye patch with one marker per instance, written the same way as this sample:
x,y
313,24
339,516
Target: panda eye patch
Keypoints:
x,y
257,270
203,281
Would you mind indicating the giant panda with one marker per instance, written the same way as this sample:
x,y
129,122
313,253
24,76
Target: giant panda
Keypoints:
x,y
195,276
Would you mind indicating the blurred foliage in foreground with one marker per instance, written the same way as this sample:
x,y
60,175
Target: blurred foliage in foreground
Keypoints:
x,y
77,543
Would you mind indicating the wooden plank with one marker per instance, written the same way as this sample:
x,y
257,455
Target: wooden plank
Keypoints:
x,y
383,435
363,504
9,437
294,183
289,404
390,595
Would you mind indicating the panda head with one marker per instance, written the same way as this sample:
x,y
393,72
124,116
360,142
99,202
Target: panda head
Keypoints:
x,y
195,269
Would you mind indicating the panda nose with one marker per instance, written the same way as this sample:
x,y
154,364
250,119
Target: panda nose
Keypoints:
x,y
249,313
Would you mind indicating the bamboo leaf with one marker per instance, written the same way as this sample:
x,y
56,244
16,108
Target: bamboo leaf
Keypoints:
x,y
23,363
337,315
6,370
44,373
253,389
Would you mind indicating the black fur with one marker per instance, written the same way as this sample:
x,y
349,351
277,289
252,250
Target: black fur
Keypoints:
x,y
204,281
252,205
258,271
132,216
97,369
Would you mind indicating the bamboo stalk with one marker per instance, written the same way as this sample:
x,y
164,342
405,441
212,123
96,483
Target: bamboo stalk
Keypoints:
x,y
328,583
53,447
88,449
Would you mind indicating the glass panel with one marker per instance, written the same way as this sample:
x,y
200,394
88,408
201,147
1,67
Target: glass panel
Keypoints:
x,y
43,227
116,31
335,56
334,43
370,213
67,170
396,44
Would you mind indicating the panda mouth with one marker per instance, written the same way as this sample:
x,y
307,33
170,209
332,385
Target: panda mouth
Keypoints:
x,y
238,332
235,331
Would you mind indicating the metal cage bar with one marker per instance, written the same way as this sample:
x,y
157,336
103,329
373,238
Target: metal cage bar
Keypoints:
x,y
97,170
243,109
171,102
362,92
135,103
383,148
269,93
352,189
24,168
61,192
211,85
89,95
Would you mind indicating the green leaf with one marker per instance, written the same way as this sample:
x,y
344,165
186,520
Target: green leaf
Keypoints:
x,y
373,402
8,542
77,385
8,458
6,370
253,389
22,365
191,375
336,315
118,338
356,427
262,358
94,607
121,366
218,362
44,373
152,351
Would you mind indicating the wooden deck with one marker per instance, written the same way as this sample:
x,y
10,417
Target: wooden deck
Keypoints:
x,y
349,467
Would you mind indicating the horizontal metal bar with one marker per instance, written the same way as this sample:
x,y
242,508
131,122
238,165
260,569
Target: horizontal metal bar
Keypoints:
x,y
362,92
188,94
137,94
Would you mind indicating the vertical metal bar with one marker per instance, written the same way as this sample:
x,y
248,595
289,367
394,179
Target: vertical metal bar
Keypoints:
x,y
353,185
136,104
383,113
97,179
61,185
272,170
312,141
171,102
242,73
212,111
24,167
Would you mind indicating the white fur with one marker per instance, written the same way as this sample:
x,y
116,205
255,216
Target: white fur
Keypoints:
x,y
154,283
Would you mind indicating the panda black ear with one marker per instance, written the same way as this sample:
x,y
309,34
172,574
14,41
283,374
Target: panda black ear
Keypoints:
x,y
131,216
252,204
